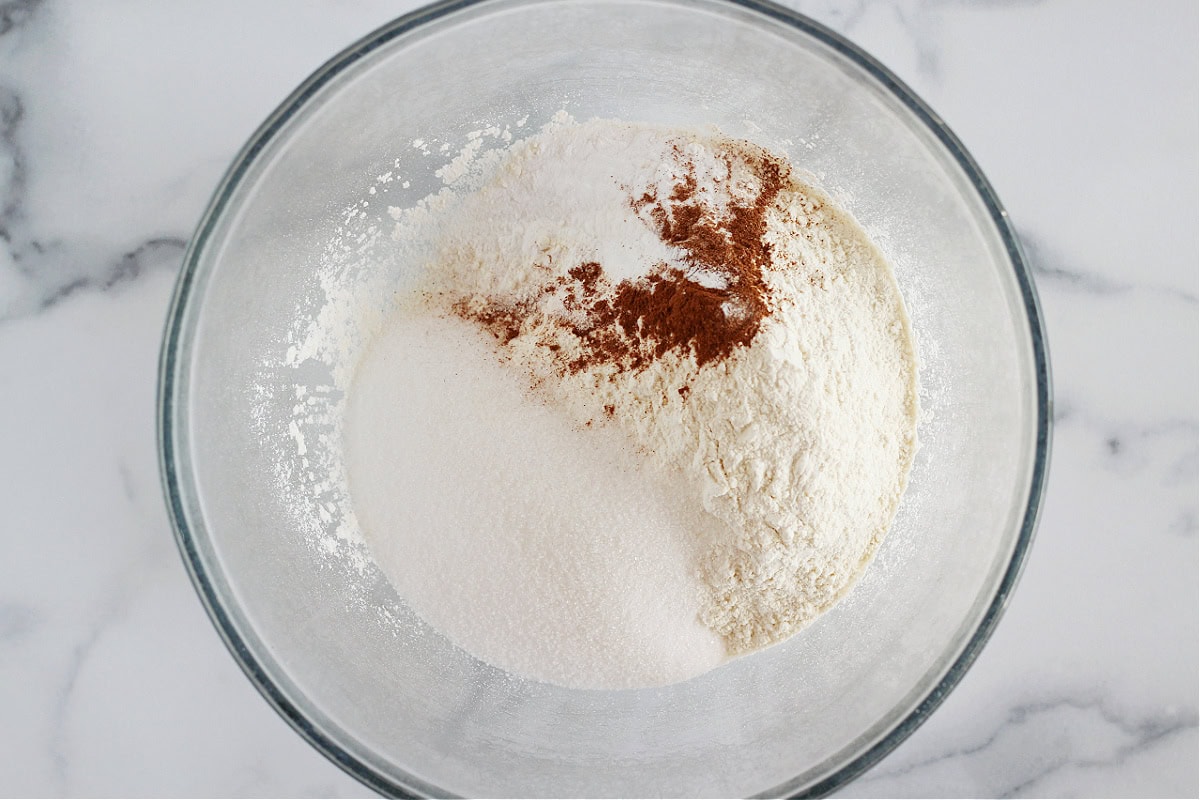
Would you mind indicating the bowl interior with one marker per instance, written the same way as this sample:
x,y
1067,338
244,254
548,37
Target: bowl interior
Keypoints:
x,y
392,700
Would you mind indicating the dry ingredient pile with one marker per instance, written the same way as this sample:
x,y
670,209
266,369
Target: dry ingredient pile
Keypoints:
x,y
651,406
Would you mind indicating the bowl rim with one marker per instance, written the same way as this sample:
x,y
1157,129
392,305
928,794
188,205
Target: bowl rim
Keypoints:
x,y
170,365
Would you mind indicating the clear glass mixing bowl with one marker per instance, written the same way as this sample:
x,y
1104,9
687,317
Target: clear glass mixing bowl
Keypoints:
x,y
391,701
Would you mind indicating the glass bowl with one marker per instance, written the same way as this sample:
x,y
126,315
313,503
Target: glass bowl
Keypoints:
x,y
323,636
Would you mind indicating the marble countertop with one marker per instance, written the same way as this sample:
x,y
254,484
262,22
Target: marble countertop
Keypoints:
x,y
118,118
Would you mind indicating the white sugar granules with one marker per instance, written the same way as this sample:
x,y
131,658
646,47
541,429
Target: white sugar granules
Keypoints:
x,y
651,404
551,557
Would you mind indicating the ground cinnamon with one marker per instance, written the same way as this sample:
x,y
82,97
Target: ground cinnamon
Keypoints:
x,y
634,322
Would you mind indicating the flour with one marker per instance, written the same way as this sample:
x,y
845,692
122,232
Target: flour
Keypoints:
x,y
650,404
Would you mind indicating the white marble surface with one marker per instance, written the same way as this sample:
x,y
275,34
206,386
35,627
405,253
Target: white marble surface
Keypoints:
x,y
116,120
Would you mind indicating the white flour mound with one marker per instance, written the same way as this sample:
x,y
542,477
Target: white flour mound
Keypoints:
x,y
605,526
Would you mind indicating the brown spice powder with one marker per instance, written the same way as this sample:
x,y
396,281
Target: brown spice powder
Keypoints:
x,y
635,322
